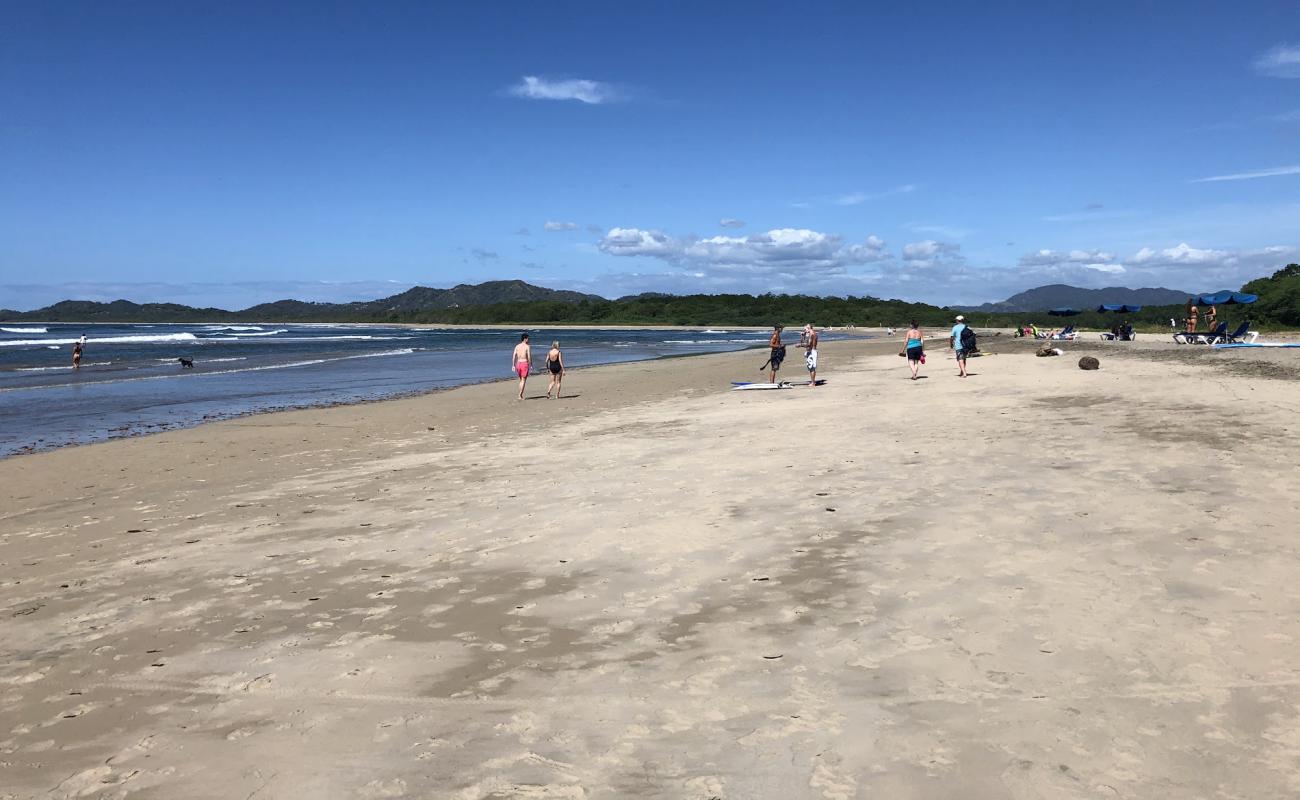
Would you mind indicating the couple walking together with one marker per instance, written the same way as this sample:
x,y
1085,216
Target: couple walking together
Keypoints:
x,y
522,362
961,341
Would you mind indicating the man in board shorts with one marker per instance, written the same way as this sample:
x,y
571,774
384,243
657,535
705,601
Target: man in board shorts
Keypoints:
x,y
810,358
778,352
954,341
521,360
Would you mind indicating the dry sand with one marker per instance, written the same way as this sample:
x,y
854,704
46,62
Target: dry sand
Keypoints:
x,y
1037,582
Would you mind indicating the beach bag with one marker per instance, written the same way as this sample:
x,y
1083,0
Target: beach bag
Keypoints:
x,y
968,340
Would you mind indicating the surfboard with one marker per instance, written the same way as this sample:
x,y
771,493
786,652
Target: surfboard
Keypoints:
x,y
738,385
1255,344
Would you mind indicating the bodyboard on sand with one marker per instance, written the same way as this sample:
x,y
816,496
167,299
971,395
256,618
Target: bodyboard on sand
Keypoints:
x,y
1235,345
738,385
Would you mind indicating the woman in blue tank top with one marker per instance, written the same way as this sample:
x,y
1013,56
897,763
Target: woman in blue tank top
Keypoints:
x,y
915,348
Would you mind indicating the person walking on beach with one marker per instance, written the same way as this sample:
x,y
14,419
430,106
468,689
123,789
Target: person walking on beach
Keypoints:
x,y
778,353
954,342
555,364
915,348
76,354
810,358
521,361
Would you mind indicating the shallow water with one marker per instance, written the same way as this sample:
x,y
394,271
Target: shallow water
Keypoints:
x,y
131,382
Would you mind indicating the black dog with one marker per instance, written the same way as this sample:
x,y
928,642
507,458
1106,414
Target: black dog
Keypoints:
x,y
187,363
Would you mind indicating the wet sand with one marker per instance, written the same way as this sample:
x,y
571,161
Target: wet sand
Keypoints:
x,y
1035,582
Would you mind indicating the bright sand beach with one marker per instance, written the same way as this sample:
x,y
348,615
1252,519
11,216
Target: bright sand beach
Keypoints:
x,y
1036,582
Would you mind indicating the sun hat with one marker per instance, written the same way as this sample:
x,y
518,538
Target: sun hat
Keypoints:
x,y
960,318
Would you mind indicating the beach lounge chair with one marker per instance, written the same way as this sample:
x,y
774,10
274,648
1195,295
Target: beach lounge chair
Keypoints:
x,y
1239,335
1220,331
1066,333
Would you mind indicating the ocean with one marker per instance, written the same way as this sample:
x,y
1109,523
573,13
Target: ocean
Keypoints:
x,y
130,381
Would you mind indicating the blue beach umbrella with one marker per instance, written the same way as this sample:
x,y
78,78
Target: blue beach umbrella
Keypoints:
x,y
1119,308
1226,298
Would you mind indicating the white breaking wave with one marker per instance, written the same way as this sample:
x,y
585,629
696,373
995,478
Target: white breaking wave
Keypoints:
x,y
260,332
189,375
233,328
166,337
713,331
350,337
25,330
64,368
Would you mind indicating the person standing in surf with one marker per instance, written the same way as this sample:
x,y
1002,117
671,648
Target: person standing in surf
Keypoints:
x,y
778,352
810,358
521,361
915,348
555,364
76,354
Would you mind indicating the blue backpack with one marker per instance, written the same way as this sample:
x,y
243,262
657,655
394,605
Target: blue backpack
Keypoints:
x,y
968,340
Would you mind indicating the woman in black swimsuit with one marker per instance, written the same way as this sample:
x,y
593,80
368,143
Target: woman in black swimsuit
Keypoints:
x,y
555,363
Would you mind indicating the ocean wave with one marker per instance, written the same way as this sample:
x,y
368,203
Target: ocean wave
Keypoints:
x,y
25,330
192,374
713,331
282,339
62,367
207,360
233,328
166,337
713,341
259,332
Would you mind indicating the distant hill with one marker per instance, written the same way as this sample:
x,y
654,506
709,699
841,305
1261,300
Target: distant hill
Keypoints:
x,y
413,301
1058,295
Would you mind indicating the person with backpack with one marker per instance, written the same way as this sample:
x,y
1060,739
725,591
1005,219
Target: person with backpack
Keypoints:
x,y
962,342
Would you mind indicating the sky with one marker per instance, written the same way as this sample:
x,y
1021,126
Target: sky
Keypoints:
x,y
950,152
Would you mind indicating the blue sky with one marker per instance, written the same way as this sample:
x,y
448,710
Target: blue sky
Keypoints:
x,y
230,153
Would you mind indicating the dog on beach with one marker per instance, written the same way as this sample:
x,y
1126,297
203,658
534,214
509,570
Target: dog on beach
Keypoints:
x,y
186,363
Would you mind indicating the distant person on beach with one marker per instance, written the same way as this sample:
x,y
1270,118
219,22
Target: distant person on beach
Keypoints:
x,y
915,348
810,358
954,342
76,354
521,361
778,353
1192,313
1211,314
555,363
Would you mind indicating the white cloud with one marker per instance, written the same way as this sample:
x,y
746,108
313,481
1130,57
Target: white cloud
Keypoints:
x,y
1248,176
1282,61
853,199
729,222
1042,258
779,259
1180,254
580,89
928,250
560,226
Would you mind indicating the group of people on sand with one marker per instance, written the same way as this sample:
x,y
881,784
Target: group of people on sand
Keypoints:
x,y
521,364
521,359
1193,318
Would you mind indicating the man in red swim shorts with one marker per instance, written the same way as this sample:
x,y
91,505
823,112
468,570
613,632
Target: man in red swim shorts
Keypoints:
x,y
521,361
